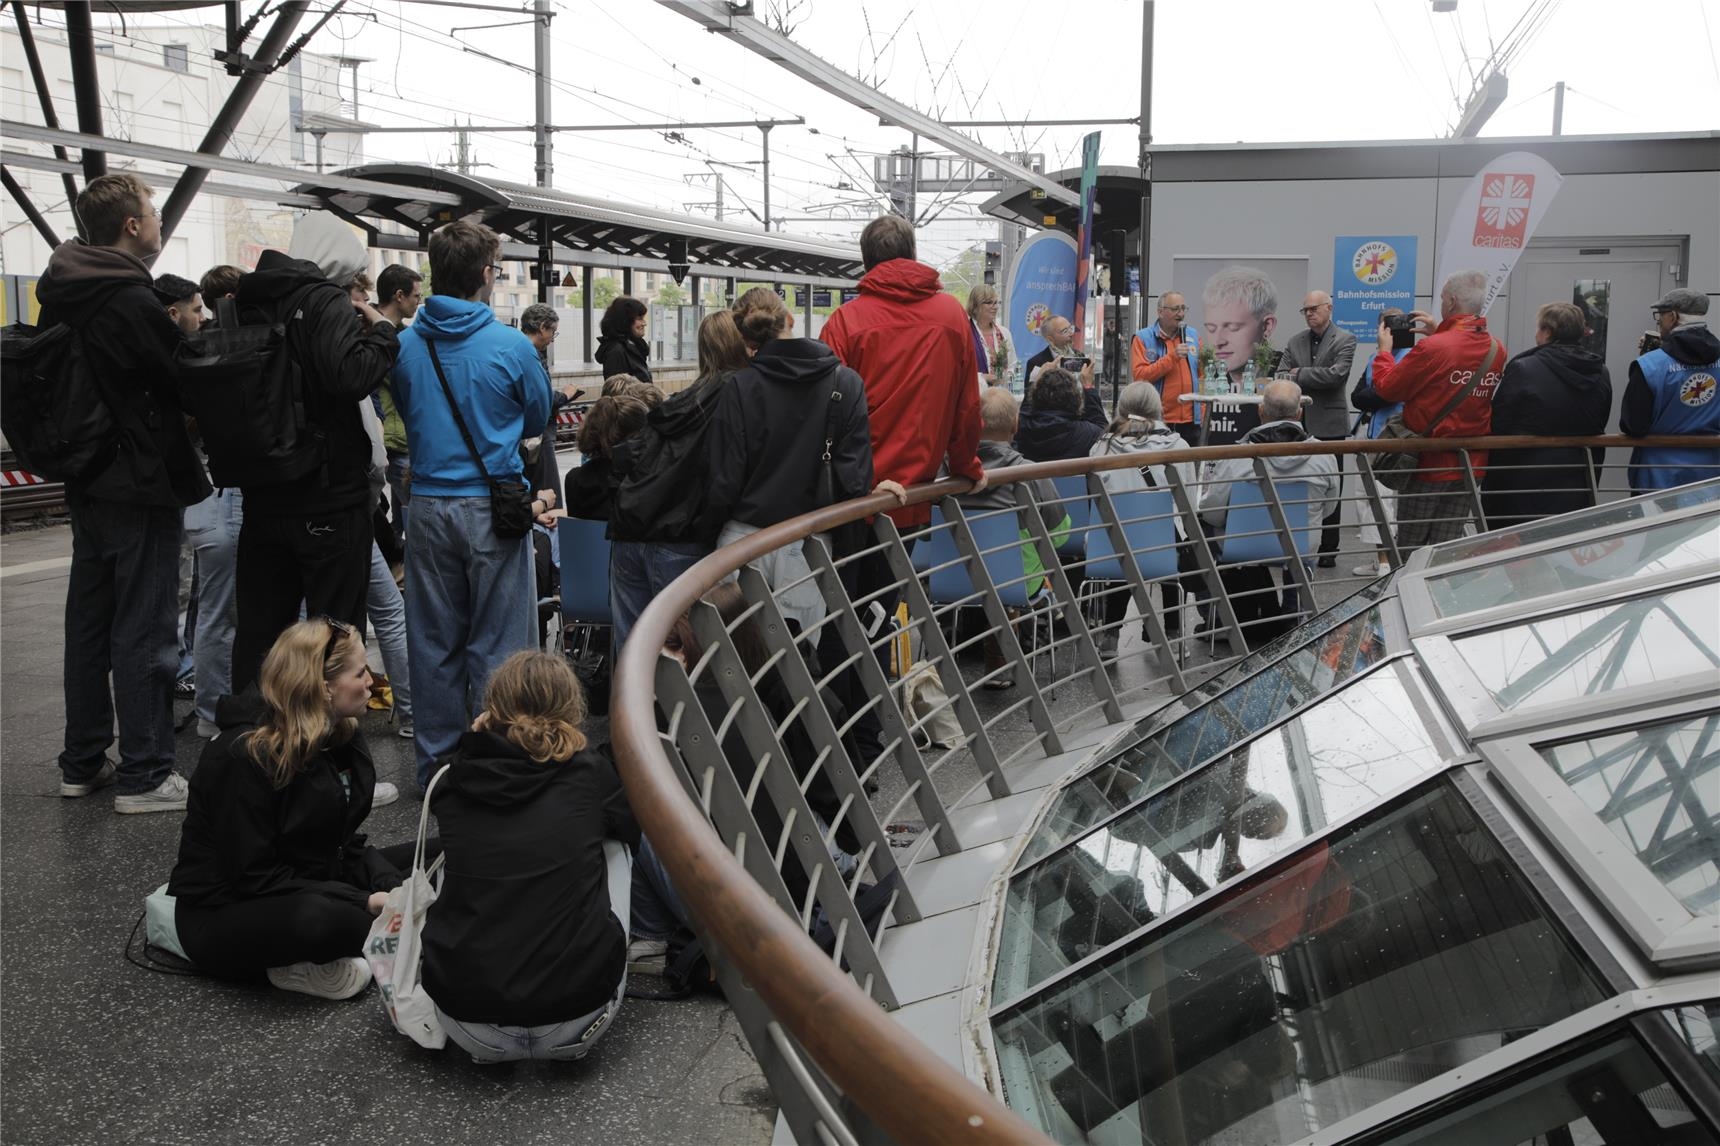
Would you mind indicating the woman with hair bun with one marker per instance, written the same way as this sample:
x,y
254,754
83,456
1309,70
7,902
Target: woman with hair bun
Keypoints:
x,y
525,949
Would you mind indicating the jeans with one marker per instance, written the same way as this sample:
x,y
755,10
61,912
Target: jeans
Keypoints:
x,y
212,526
559,1042
121,600
470,604
1330,524
388,621
638,571
658,910
398,495
321,562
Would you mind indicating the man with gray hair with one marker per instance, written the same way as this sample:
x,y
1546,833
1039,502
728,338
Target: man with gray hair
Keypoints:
x,y
1671,391
1446,385
1254,596
1318,360
540,323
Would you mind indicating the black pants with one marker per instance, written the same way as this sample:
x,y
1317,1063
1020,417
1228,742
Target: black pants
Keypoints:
x,y
867,575
1329,527
1254,597
242,939
322,561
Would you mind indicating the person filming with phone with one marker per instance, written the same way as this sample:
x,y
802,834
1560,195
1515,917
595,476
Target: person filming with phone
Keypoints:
x,y
1059,335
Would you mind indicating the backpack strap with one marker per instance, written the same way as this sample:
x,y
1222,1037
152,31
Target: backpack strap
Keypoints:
x,y
1495,353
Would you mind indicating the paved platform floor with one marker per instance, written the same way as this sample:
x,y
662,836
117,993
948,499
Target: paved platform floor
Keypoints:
x,y
96,1050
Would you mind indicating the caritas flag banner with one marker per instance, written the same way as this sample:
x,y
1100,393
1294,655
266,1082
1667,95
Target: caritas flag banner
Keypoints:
x,y
1495,217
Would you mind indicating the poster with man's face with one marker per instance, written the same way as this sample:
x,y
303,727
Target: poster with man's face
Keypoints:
x,y
1235,305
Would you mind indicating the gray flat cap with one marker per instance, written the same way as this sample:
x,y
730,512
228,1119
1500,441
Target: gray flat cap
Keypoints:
x,y
1684,301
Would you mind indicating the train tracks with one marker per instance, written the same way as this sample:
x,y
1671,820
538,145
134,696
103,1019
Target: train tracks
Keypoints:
x,y
23,495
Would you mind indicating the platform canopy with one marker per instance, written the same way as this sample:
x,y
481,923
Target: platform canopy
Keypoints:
x,y
580,223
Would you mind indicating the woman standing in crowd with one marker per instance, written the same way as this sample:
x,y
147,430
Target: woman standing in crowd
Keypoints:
x,y
996,350
273,873
525,948
657,530
612,419
1140,430
777,423
621,345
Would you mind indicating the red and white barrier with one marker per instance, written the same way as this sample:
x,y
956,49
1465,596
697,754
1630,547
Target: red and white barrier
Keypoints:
x,y
10,478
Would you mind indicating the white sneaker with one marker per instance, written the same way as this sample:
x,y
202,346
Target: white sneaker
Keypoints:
x,y
406,731
384,795
207,729
1371,570
647,956
101,779
168,796
341,979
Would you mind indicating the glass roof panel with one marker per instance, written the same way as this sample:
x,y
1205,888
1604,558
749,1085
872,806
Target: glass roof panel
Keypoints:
x,y
1213,728
1405,945
1676,544
1699,1026
1553,528
1657,789
1592,651
1234,814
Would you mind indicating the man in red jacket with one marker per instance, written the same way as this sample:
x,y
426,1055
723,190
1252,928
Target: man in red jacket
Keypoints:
x,y
912,344
1437,504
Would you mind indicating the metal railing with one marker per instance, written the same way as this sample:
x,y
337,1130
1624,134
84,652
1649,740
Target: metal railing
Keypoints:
x,y
746,764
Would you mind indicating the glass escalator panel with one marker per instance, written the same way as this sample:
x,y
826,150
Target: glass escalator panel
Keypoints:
x,y
1405,944
1208,828
1553,528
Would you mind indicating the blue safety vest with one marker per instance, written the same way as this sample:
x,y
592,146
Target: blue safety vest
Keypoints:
x,y
1685,402
1153,344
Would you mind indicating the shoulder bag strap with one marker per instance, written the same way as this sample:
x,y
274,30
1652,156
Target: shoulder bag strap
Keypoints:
x,y
830,429
1494,350
448,391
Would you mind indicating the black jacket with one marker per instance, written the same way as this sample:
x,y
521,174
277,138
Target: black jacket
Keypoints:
x,y
766,438
521,934
1554,390
1046,435
109,296
244,839
588,490
1689,345
628,354
342,365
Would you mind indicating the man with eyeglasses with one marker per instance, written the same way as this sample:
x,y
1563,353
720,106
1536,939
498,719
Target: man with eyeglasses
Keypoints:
x,y
1318,360
127,516
1164,354
1672,391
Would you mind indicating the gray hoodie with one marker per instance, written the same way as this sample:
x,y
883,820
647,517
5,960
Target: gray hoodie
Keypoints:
x,y
332,245
1002,455
1320,471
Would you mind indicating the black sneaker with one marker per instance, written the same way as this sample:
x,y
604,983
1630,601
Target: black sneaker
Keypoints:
x,y
185,688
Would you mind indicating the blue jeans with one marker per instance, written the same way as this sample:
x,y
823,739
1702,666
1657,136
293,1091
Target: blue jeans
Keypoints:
x,y
212,527
560,1042
387,612
470,604
658,910
638,571
121,613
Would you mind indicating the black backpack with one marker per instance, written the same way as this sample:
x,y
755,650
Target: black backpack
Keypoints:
x,y
246,389
53,411
660,486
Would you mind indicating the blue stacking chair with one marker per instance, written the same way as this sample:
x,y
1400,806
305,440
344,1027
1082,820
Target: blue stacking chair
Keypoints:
x,y
1251,536
998,531
584,577
1073,493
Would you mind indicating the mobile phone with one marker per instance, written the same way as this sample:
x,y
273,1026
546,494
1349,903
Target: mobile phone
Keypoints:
x,y
1403,330
1074,363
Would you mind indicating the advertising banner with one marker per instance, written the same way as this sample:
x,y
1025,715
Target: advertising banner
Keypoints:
x,y
1041,283
1495,218
1369,274
1084,235
1234,306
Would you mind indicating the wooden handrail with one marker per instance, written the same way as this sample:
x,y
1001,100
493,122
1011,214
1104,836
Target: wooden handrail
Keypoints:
x,y
905,1088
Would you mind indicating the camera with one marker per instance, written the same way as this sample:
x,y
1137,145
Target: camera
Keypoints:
x,y
1074,363
1397,323
1649,342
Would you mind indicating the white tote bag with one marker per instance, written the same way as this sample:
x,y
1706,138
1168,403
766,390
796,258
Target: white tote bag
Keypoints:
x,y
393,951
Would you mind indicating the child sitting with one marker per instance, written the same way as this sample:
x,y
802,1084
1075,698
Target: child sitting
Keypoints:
x,y
525,948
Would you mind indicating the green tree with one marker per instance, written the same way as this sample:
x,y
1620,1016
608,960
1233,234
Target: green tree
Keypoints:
x,y
672,294
965,273
603,292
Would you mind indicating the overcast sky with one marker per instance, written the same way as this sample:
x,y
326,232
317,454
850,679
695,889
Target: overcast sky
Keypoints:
x,y
1224,71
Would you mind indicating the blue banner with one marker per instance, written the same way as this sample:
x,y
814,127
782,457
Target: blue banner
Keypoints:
x,y
1041,283
1370,273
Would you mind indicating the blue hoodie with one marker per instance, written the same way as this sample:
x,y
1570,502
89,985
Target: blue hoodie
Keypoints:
x,y
496,377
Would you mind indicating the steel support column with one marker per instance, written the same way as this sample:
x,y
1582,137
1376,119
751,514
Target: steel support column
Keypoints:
x,y
86,86
238,102
22,198
50,116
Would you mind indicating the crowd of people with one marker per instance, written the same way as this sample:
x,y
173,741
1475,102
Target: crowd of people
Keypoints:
x,y
449,410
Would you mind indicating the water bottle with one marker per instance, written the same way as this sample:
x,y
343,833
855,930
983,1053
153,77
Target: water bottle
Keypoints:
x,y
1248,383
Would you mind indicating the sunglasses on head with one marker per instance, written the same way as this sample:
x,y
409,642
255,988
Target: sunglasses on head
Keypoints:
x,y
337,632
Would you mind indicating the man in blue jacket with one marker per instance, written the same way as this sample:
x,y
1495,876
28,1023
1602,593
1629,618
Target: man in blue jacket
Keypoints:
x,y
1672,391
470,597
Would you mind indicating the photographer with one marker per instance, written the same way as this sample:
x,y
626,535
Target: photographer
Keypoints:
x,y
1435,506
1059,335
